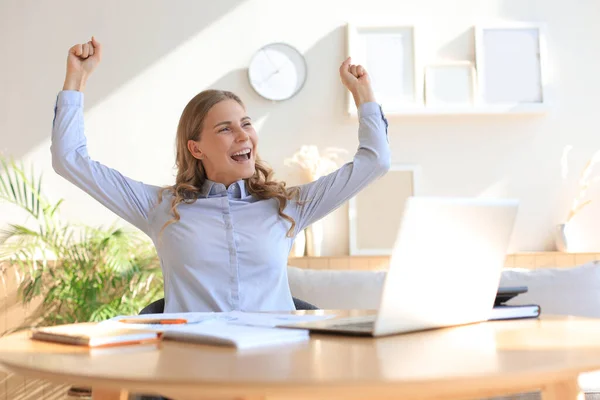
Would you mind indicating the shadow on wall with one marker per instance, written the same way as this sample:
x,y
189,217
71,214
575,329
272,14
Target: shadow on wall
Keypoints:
x,y
38,65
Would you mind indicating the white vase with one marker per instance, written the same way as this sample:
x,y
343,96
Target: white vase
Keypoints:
x,y
299,246
560,238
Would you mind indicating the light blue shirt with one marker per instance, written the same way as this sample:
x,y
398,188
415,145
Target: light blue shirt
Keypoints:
x,y
229,251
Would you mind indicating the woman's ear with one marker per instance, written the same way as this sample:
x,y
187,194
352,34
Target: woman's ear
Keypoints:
x,y
193,148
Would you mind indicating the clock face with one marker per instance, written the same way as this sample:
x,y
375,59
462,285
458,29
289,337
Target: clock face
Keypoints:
x,y
277,71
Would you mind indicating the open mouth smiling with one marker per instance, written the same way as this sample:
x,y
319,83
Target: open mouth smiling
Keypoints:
x,y
242,156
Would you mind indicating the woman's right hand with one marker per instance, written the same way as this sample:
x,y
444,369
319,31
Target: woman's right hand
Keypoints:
x,y
357,81
81,62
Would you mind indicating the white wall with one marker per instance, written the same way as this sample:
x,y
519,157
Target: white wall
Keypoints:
x,y
159,54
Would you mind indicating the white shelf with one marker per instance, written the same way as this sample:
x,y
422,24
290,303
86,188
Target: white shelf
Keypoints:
x,y
515,109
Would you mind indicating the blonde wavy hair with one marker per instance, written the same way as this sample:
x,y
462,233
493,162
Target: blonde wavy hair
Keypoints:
x,y
190,171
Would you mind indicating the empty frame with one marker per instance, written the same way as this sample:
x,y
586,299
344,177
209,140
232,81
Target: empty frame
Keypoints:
x,y
450,84
510,64
375,212
388,54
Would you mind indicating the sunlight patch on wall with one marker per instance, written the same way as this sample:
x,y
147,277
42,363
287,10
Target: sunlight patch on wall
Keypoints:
x,y
498,189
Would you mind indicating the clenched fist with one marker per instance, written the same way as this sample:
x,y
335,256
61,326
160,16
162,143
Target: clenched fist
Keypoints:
x,y
81,62
356,79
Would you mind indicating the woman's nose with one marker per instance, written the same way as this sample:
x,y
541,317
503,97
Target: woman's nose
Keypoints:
x,y
242,135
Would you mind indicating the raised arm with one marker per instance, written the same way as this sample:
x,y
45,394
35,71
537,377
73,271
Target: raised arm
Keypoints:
x,y
129,199
372,159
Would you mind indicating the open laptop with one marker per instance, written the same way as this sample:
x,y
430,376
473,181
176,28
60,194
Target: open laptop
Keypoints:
x,y
444,269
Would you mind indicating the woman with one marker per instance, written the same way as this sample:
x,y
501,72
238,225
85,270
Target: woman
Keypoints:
x,y
224,230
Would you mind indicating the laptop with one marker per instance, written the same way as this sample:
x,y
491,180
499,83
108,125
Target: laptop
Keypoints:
x,y
444,269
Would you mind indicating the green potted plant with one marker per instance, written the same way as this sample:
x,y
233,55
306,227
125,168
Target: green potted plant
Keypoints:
x,y
81,273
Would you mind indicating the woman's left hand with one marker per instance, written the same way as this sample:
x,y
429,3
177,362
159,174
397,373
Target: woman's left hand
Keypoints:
x,y
356,79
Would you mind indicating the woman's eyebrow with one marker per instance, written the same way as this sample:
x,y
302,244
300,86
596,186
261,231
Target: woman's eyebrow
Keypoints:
x,y
246,118
222,123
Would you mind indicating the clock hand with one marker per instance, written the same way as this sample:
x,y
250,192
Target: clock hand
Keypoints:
x,y
269,77
269,58
273,73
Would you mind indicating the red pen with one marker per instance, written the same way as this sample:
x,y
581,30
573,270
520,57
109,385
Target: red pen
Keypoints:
x,y
154,321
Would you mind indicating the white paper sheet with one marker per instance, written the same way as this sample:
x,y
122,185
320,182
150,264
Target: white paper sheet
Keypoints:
x,y
242,337
235,328
268,319
232,317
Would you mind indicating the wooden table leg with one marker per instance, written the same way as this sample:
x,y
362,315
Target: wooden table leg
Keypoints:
x,y
563,390
109,394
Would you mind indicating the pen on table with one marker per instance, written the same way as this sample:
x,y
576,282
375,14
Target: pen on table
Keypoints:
x,y
154,321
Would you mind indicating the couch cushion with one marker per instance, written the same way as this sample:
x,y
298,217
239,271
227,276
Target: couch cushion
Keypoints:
x,y
337,289
562,291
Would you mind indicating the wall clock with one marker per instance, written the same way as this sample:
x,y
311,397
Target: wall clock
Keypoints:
x,y
277,71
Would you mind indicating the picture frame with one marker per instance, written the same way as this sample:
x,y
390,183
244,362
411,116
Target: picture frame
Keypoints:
x,y
389,53
511,65
375,213
450,84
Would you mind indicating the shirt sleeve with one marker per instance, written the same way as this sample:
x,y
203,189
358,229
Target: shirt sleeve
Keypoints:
x,y
371,161
129,199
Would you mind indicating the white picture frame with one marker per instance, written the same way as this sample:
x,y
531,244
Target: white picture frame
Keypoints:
x,y
511,65
389,53
450,84
375,213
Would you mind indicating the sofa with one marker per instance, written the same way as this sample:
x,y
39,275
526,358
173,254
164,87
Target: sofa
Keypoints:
x,y
559,291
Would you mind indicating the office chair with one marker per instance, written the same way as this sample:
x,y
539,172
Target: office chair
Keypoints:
x,y
158,306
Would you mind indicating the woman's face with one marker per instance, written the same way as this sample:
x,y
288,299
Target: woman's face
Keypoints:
x,y
228,143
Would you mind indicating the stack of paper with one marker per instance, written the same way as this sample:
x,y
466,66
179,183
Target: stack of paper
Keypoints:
x,y
239,329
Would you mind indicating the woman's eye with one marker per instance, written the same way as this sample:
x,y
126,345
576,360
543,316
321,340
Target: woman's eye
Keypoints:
x,y
247,124
223,129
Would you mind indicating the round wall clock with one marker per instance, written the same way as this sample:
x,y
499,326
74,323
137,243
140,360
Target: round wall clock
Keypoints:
x,y
277,71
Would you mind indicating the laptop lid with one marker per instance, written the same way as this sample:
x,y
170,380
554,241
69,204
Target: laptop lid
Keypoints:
x,y
446,264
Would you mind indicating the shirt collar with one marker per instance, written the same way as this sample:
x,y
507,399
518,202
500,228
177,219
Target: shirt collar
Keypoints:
x,y
236,190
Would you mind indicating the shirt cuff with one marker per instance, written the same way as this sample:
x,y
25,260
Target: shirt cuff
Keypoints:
x,y
70,98
372,108
368,108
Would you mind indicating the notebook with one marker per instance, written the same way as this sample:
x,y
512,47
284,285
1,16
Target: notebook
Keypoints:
x,y
502,312
90,335
241,330
239,336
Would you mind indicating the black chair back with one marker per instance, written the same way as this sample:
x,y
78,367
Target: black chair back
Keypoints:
x,y
158,306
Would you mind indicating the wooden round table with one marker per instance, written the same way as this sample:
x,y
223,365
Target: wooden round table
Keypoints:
x,y
473,361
